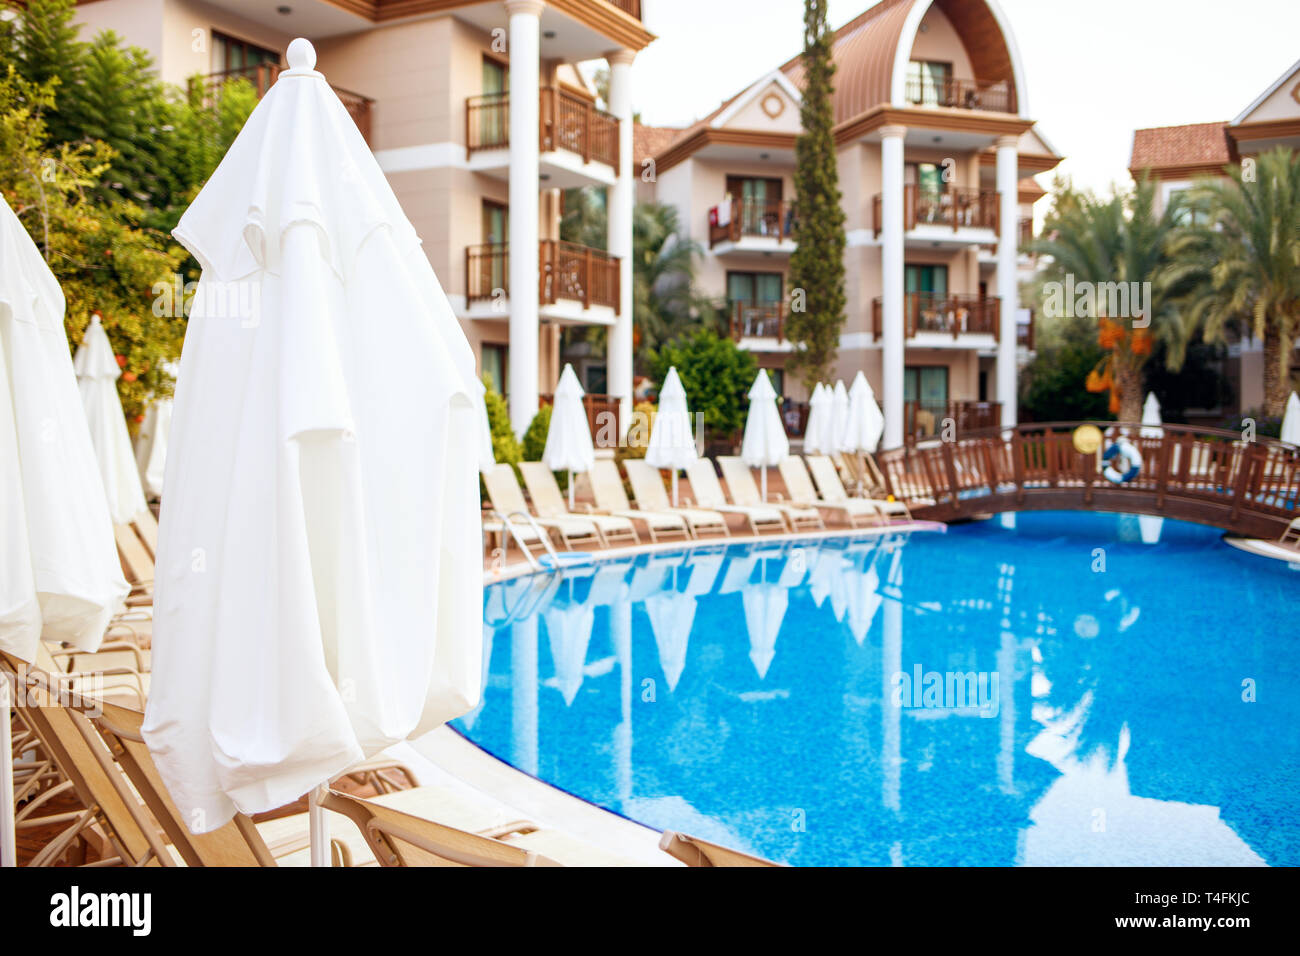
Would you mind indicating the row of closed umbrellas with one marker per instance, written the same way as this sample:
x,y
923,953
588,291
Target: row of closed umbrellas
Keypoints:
x,y
841,420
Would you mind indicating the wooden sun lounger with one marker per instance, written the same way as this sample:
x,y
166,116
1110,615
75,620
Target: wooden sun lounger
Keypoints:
x,y
648,489
744,491
1291,536
856,511
695,852
548,502
611,499
708,494
508,499
832,489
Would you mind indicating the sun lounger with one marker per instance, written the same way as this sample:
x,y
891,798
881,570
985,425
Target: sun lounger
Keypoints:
x,y
548,502
855,511
607,488
403,839
832,489
508,500
694,852
707,493
744,491
1291,536
648,489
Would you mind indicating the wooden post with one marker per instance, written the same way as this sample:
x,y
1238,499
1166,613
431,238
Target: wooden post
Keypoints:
x,y
1162,475
586,284
950,468
1018,464
1245,464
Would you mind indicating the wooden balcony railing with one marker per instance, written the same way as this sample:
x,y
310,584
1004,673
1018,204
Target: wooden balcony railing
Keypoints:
x,y
961,94
758,320
263,75
957,206
565,271
1025,333
566,121
597,407
952,313
923,420
751,217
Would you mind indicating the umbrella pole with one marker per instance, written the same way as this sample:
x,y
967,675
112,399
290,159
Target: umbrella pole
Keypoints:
x,y
320,827
8,839
763,479
570,489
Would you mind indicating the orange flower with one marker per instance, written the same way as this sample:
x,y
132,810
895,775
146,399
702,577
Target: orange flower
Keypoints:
x,y
129,376
1141,344
1114,402
1110,334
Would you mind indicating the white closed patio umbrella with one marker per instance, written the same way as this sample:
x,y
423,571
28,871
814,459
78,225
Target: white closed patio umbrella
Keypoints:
x,y
319,584
486,456
765,442
837,433
817,428
1291,421
568,439
97,374
865,422
1151,418
151,442
60,578
672,441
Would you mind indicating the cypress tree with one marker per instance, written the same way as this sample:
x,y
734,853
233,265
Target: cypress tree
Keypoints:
x,y
817,300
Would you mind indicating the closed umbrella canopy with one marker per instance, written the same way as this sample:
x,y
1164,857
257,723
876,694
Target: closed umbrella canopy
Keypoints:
x,y
1151,417
837,434
97,374
320,600
568,439
819,418
1291,420
486,456
672,441
61,576
765,442
865,422
151,441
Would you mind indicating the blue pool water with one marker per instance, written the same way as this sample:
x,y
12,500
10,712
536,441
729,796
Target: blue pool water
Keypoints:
x,y
1136,694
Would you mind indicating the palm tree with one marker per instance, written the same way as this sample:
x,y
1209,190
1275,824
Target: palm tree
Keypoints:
x,y
1118,240
1243,263
665,304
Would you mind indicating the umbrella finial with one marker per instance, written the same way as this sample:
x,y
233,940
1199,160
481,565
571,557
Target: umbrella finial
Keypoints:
x,y
301,55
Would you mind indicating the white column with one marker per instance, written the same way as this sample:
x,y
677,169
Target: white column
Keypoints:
x,y
1008,237
621,199
891,280
525,78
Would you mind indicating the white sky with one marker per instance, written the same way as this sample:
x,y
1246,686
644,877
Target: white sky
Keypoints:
x,y
1096,69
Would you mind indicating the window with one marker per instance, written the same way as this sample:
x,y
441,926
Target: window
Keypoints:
x,y
597,381
492,364
928,176
925,288
759,204
492,263
777,375
755,302
230,54
494,112
929,83
926,384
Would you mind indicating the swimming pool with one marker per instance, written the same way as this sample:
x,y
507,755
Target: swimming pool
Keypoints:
x,y
1078,688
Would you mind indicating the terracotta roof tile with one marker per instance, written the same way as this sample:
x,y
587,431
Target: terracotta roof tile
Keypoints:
x,y
651,140
1166,146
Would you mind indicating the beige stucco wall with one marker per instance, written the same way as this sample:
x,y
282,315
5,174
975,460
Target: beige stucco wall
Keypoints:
x,y
139,22
753,116
1281,104
937,41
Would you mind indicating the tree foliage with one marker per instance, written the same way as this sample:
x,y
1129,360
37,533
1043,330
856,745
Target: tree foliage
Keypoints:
x,y
716,373
817,265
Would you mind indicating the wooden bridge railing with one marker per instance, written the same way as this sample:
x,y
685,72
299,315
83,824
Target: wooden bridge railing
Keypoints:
x,y
1204,475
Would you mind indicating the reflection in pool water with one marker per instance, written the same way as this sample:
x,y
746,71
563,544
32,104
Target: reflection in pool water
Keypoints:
x,y
750,694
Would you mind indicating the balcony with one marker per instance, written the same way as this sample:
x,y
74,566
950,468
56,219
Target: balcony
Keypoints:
x,y
631,7
932,316
923,420
749,225
575,283
261,76
578,142
601,409
1025,332
758,320
971,214
961,94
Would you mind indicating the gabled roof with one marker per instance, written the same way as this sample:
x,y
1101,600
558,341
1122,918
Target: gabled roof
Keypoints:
x,y
1259,101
